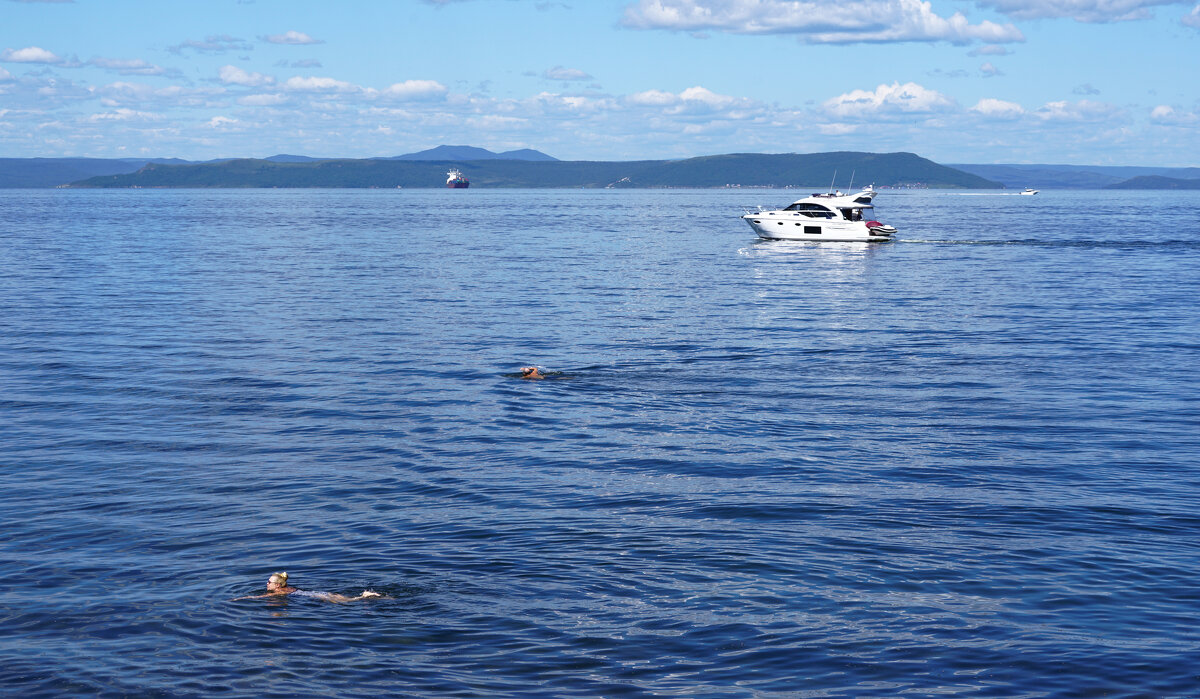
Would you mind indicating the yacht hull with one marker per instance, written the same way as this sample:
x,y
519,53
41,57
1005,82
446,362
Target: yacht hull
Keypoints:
x,y
782,225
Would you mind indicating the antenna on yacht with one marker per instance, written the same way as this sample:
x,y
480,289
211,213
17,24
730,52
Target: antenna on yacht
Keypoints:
x,y
832,181
851,187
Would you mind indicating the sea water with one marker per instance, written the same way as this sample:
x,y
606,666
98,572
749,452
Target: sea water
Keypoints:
x,y
961,463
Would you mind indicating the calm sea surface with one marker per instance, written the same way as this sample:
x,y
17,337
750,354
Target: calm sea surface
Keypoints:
x,y
963,463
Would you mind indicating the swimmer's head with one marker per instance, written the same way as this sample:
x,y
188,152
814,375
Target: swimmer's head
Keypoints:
x,y
527,370
279,579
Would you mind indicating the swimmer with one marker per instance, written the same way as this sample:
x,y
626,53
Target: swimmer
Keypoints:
x,y
531,372
277,587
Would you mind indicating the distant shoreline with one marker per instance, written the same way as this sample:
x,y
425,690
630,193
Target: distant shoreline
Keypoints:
x,y
741,170
539,171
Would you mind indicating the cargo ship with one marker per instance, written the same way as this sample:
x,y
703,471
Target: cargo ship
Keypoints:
x,y
457,180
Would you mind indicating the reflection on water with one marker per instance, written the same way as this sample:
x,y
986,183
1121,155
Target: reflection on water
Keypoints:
x,y
834,250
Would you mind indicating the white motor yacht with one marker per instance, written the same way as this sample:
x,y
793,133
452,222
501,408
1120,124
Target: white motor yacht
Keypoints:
x,y
833,216
1030,191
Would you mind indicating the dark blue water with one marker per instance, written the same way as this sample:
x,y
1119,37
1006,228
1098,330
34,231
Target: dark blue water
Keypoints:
x,y
963,463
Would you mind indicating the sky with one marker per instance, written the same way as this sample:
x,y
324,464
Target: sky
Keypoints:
x,y
1110,82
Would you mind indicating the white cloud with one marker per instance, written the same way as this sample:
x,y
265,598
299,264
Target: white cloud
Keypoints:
x,y
5,75
213,44
329,116
293,38
232,75
32,54
706,97
894,99
989,70
126,92
491,122
837,129
692,101
124,115
990,50
264,100
312,84
560,73
652,98
1167,115
702,94
1192,19
1162,111
128,67
998,109
818,21
416,89
1091,11
552,103
170,97
1081,111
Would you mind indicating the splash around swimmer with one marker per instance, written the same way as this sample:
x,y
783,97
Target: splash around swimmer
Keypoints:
x,y
537,373
277,586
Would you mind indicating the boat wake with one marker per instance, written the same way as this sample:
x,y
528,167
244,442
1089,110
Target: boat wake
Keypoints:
x,y
1061,243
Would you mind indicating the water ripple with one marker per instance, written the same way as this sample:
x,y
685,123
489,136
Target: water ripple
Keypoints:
x,y
959,464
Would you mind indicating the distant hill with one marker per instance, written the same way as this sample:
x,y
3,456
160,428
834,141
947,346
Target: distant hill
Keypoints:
x,y
284,158
367,173
750,170
40,173
808,170
1069,176
1156,182
525,154
464,153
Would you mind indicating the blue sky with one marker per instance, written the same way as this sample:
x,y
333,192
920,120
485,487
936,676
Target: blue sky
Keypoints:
x,y
987,81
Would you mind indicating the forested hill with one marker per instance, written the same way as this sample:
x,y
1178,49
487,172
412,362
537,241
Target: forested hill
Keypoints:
x,y
755,169
52,172
745,169
1156,182
1077,176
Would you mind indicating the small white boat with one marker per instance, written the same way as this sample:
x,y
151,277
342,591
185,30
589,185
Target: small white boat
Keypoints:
x,y
833,216
1030,191
866,195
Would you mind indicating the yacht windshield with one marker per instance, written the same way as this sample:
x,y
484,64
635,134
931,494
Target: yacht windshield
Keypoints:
x,y
808,208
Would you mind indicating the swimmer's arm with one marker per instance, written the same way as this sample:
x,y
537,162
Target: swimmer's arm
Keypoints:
x,y
282,593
